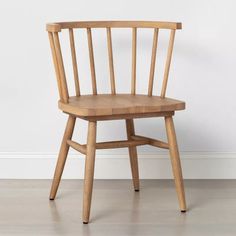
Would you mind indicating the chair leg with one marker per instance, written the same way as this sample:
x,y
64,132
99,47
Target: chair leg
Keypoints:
x,y
175,161
62,156
89,170
133,155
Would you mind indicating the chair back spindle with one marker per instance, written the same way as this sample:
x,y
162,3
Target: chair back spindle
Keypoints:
x,y
55,28
62,76
153,61
74,62
91,58
111,65
55,61
168,61
134,56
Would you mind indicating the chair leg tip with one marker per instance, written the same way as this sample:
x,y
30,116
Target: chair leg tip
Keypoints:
x,y
85,222
183,211
136,190
51,198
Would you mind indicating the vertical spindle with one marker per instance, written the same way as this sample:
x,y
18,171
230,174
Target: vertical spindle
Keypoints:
x,y
74,62
134,52
64,88
91,58
111,64
168,61
153,61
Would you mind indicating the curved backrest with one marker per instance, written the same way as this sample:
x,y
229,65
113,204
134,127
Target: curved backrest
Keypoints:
x,y
54,29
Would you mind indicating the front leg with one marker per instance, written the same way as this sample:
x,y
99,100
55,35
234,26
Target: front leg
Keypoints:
x,y
89,170
175,161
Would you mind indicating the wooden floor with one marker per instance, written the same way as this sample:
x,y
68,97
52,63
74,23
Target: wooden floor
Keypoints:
x,y
117,209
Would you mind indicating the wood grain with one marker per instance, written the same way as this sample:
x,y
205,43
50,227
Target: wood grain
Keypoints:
x,y
57,27
101,105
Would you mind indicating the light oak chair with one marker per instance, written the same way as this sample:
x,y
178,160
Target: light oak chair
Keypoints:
x,y
97,107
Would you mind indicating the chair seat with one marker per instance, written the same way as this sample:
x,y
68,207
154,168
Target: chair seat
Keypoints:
x,y
106,105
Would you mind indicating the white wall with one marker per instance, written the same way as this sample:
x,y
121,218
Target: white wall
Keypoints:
x,y
203,74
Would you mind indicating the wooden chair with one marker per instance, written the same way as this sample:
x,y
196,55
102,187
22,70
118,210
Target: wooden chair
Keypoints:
x,y
97,107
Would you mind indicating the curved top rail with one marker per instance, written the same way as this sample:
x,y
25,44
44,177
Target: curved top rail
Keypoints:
x,y
58,26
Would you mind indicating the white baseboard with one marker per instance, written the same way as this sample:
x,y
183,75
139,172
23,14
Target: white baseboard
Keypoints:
x,y
109,166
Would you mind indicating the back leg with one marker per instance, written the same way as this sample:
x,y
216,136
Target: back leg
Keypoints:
x,y
62,156
133,154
